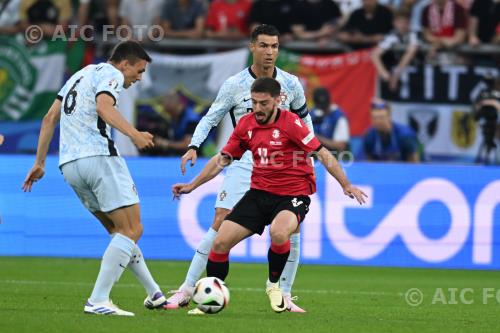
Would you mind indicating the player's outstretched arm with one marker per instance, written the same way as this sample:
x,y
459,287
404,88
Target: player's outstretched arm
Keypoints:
x,y
107,111
333,167
213,167
220,107
190,155
49,123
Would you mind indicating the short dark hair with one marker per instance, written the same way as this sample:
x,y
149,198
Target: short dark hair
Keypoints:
x,y
321,98
129,50
264,29
402,13
266,85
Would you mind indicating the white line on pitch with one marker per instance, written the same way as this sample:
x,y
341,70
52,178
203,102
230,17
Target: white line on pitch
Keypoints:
x,y
130,285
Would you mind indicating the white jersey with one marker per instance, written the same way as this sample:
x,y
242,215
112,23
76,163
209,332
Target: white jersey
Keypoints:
x,y
83,132
234,97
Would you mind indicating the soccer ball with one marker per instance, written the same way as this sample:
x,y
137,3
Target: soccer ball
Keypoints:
x,y
211,295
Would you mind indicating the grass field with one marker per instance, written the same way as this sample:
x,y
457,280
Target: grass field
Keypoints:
x,y
47,295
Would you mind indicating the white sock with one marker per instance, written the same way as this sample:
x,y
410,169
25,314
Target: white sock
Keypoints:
x,y
288,274
199,262
115,259
138,266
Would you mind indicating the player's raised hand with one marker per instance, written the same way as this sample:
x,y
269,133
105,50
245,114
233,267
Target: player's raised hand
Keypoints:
x,y
36,173
355,193
180,188
143,140
190,155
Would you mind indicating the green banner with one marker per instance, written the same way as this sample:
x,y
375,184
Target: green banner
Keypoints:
x,y
31,76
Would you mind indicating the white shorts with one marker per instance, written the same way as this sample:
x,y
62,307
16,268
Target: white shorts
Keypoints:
x,y
102,183
236,183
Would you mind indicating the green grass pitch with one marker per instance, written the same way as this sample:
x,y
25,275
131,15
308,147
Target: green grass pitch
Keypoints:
x,y
48,294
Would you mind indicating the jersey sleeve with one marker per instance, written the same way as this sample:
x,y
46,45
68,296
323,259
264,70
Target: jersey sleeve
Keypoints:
x,y
222,104
235,146
62,92
300,134
298,104
110,83
388,42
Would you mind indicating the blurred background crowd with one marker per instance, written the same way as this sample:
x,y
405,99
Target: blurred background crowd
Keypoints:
x,y
433,63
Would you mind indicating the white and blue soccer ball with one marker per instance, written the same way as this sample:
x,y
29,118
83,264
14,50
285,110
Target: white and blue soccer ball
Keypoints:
x,y
211,295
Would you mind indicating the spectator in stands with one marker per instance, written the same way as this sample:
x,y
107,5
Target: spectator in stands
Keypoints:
x,y
140,13
387,140
183,18
400,35
97,13
348,6
483,20
182,121
228,19
9,17
273,12
315,20
417,10
330,123
1,139
367,25
47,14
444,23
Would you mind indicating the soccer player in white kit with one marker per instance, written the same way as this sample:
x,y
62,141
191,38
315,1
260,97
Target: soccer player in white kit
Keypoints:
x,y
234,98
91,165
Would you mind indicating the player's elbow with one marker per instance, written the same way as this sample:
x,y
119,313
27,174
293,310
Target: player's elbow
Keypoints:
x,y
49,120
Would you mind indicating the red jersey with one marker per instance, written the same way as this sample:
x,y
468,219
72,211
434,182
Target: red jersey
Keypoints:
x,y
281,164
222,15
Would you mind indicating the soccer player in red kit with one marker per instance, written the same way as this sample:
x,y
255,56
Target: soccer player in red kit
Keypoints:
x,y
282,180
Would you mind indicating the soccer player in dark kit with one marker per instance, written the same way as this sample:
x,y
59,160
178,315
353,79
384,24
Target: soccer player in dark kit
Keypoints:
x,y
282,180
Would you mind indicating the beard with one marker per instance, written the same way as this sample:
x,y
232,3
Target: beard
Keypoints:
x,y
266,120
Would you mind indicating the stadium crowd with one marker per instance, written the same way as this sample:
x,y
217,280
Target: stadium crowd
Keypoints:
x,y
379,24
443,23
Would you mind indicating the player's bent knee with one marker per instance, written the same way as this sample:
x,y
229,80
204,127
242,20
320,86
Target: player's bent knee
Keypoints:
x,y
127,232
279,236
138,231
221,246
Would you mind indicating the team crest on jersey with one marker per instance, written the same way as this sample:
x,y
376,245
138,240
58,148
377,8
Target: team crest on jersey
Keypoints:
x,y
275,135
298,122
222,195
113,84
283,98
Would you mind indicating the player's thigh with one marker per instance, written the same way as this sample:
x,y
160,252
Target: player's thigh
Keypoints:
x,y
288,213
235,184
72,176
251,212
127,221
111,183
283,225
230,234
105,221
219,217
